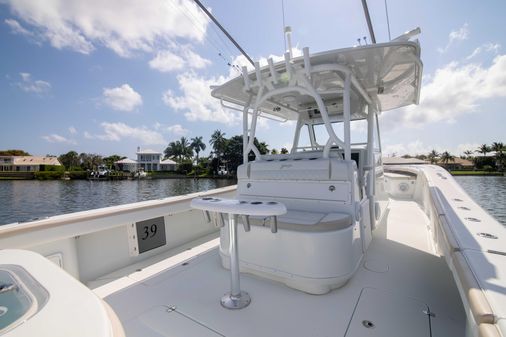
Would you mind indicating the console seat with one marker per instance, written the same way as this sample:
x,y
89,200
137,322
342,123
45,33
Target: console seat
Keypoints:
x,y
318,245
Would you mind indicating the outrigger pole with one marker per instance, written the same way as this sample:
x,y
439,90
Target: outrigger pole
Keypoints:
x,y
224,31
368,19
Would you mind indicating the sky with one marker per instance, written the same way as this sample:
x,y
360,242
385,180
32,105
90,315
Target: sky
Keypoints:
x,y
108,76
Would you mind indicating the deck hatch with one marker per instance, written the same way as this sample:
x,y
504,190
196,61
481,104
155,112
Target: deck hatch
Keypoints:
x,y
167,321
381,313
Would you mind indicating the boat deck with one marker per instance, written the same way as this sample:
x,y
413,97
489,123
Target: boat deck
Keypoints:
x,y
401,289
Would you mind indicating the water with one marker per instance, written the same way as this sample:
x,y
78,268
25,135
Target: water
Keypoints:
x,y
22,200
488,192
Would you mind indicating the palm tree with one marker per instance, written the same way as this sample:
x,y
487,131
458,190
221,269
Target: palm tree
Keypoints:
x,y
468,154
499,155
446,157
186,149
197,145
483,149
433,156
174,150
497,147
218,142
262,147
284,150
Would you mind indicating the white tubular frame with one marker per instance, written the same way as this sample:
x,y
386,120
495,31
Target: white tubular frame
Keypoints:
x,y
299,80
371,175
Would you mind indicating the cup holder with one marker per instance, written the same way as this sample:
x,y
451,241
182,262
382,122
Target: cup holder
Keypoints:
x,y
256,202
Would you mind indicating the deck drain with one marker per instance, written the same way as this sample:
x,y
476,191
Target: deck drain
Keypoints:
x,y
458,200
487,235
376,266
465,208
473,219
185,263
368,324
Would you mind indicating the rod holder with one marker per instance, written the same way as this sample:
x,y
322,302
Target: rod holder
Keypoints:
x,y
258,73
207,215
246,223
274,224
288,65
274,73
222,218
245,76
307,63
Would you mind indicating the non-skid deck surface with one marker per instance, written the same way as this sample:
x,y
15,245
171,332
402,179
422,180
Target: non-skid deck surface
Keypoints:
x,y
399,279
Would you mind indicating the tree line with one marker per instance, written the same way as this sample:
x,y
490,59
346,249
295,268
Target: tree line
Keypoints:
x,y
481,161
225,151
186,152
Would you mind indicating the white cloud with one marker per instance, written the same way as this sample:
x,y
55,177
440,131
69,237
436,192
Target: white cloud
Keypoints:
x,y
413,148
118,131
454,90
196,100
417,147
457,35
72,130
459,150
122,98
123,26
180,58
17,28
487,47
177,130
166,61
55,138
28,84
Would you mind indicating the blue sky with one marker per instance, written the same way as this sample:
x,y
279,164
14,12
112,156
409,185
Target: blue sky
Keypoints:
x,y
108,76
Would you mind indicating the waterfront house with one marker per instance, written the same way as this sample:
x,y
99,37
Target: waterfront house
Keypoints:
x,y
147,160
128,165
458,164
26,163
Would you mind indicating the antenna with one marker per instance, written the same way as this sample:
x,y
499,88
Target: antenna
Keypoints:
x,y
283,11
368,19
224,31
288,34
388,21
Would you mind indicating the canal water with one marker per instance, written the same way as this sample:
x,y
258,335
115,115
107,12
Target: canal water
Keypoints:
x,y
489,192
23,200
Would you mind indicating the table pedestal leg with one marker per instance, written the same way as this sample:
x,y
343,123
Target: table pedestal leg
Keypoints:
x,y
235,299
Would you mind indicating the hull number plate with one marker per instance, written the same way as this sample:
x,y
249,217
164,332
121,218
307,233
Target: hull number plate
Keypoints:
x,y
146,235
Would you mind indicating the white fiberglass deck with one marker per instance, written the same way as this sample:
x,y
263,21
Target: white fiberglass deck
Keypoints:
x,y
400,278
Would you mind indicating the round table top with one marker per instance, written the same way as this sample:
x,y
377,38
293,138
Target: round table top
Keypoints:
x,y
240,207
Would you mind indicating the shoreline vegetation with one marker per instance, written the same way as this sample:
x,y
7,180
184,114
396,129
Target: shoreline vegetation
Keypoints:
x,y
226,155
486,160
222,162
476,173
